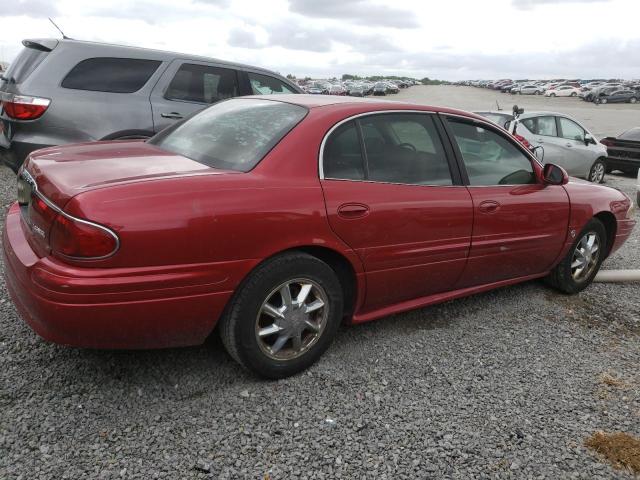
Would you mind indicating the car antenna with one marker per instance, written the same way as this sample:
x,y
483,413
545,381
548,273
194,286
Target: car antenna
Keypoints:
x,y
59,29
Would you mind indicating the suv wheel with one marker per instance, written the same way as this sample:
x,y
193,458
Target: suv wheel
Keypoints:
x,y
284,316
633,100
582,262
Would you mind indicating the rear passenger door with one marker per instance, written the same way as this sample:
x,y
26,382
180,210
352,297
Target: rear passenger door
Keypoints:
x,y
189,86
393,194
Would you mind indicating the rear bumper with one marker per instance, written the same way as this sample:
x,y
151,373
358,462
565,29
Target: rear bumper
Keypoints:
x,y
111,308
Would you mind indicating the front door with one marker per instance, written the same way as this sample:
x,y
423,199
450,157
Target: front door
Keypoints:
x,y
520,224
391,196
187,87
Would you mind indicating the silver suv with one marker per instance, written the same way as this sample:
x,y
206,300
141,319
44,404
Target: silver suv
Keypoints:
x,y
69,91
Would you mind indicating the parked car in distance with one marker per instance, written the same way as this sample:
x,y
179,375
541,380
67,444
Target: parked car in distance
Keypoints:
x,y
337,90
565,142
392,87
528,90
276,217
618,96
380,88
623,151
357,91
562,91
64,91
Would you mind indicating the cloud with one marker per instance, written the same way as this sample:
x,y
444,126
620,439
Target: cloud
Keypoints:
x,y
355,11
153,11
29,8
239,37
529,4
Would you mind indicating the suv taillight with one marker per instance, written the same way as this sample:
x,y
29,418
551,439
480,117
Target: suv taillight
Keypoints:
x,y
80,239
22,107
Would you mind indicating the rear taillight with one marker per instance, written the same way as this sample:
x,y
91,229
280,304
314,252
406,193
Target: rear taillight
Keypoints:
x,y
80,239
22,107
522,140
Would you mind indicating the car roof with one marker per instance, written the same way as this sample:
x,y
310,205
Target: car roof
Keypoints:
x,y
156,53
347,103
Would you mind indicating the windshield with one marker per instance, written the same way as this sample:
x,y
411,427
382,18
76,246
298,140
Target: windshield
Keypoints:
x,y
232,135
25,63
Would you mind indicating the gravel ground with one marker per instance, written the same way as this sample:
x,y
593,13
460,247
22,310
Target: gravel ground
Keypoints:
x,y
504,385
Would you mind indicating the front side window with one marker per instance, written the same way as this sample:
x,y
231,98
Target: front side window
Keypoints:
x,y
489,158
571,130
232,135
202,84
266,85
114,75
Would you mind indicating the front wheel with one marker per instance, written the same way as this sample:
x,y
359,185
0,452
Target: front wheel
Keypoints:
x,y
582,262
633,100
573,94
603,100
596,175
284,316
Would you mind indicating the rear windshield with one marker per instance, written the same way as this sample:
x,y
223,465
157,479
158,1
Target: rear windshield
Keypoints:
x,y
114,75
25,63
231,135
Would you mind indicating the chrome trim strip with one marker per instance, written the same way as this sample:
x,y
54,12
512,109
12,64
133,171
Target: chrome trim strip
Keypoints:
x,y
34,190
366,114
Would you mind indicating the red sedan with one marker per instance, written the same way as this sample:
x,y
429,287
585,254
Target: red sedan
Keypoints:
x,y
276,218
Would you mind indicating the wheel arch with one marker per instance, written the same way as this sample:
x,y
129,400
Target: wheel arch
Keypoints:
x,y
608,219
129,135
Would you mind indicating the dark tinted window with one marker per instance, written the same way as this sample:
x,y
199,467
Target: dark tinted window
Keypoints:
x,y
25,63
405,148
203,84
342,155
232,135
489,158
266,85
115,75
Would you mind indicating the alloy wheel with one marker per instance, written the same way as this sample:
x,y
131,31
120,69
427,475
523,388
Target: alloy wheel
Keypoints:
x,y
597,173
292,319
585,257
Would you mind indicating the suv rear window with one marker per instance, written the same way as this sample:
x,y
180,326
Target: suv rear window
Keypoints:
x,y
25,63
232,135
114,75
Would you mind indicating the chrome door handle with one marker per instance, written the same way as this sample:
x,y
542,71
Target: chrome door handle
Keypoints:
x,y
489,206
173,115
353,210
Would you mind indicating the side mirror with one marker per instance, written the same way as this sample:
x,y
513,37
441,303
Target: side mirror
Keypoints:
x,y
588,139
538,151
554,175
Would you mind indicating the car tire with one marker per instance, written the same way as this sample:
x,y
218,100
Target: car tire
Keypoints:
x,y
631,172
603,101
538,92
245,316
574,94
633,100
552,94
597,172
569,276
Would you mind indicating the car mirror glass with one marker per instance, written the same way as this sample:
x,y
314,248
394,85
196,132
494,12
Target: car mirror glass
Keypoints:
x,y
538,151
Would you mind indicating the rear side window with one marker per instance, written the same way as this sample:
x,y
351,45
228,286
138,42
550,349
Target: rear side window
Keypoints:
x,y
232,135
541,126
113,75
342,155
203,84
266,85
25,63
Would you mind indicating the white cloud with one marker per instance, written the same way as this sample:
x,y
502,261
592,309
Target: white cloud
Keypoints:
x,y
452,40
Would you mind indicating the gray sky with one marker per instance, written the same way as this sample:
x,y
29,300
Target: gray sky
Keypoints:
x,y
452,39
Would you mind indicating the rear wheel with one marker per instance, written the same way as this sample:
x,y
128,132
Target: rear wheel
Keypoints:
x,y
603,100
552,95
573,94
284,316
581,264
596,175
633,100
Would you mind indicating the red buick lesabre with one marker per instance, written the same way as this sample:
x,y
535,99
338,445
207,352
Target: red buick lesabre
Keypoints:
x,y
276,218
